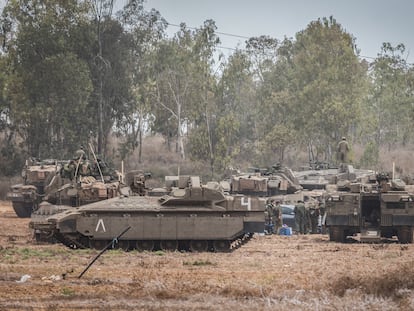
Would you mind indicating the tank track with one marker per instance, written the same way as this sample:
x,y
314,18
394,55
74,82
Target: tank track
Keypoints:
x,y
77,243
74,243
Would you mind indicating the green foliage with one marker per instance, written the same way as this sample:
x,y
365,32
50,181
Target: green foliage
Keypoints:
x,y
47,77
144,33
72,73
183,80
67,291
25,253
390,101
328,82
273,145
199,263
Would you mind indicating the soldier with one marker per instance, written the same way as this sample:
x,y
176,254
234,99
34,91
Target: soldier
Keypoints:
x,y
80,154
138,184
68,170
343,149
277,217
322,212
307,219
314,216
85,168
269,217
300,216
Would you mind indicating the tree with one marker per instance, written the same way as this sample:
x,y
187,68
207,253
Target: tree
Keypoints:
x,y
328,84
182,77
272,111
145,30
47,77
105,65
216,137
391,96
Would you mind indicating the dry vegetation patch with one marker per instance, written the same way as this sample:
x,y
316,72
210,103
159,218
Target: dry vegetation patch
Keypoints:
x,y
268,273
393,283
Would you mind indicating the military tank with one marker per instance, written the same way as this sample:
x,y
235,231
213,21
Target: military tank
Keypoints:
x,y
265,182
376,209
196,218
76,183
36,174
317,176
83,188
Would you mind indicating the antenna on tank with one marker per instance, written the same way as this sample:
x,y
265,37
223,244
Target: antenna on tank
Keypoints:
x,y
393,170
97,162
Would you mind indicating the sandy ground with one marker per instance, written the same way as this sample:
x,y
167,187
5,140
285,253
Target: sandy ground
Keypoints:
x,y
268,273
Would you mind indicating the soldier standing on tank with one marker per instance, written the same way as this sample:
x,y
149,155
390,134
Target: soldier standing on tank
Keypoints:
x,y
68,170
80,154
343,149
300,216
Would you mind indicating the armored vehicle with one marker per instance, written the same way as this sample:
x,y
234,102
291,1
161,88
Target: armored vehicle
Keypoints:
x,y
372,210
196,217
63,192
27,195
265,182
80,191
318,176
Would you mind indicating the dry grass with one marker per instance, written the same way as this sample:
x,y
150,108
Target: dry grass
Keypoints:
x,y
268,273
388,284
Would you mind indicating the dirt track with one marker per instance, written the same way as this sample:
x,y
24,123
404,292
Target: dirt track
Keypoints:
x,y
268,273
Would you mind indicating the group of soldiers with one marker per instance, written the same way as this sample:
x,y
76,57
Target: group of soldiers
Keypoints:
x,y
80,165
308,216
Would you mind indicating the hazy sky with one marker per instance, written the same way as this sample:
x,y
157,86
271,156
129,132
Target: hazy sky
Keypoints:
x,y
371,22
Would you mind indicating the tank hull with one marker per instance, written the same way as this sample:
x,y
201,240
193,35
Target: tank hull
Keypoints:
x,y
181,224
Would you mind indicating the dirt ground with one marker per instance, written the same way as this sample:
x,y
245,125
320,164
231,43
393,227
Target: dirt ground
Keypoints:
x,y
268,273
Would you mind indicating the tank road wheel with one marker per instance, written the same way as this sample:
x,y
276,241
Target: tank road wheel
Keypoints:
x,y
169,245
405,235
98,244
145,245
122,244
198,246
221,246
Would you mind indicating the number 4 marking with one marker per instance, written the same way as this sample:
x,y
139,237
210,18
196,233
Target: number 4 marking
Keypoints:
x,y
244,203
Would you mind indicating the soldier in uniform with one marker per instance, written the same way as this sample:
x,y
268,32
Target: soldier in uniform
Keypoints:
x,y
343,149
314,216
68,170
277,217
269,217
80,154
307,219
322,212
300,211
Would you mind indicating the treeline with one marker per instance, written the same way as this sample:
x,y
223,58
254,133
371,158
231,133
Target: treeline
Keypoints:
x,y
75,72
